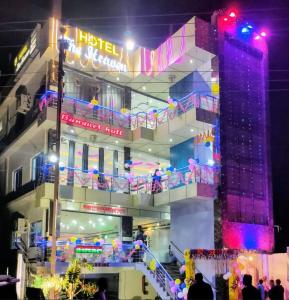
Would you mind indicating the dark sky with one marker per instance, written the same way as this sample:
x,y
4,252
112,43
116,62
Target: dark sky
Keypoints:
x,y
273,14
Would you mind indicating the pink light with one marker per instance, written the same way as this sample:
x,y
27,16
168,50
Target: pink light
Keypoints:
x,y
257,37
225,19
263,33
232,14
69,119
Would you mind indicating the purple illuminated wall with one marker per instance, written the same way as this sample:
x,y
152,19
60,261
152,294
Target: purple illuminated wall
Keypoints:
x,y
245,174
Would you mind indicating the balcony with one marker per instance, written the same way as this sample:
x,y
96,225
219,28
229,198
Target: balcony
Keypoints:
x,y
150,120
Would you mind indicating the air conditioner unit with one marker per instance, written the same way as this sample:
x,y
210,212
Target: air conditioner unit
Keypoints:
x,y
24,103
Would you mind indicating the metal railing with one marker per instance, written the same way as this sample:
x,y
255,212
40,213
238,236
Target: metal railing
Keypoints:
x,y
180,254
160,273
135,185
131,121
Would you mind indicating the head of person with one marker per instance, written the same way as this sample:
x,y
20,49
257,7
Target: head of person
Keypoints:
x,y
278,282
271,282
199,277
247,280
139,228
261,281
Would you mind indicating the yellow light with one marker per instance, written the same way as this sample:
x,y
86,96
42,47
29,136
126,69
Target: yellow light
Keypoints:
x,y
97,42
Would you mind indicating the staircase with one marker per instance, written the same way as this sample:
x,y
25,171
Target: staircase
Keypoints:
x,y
158,277
173,269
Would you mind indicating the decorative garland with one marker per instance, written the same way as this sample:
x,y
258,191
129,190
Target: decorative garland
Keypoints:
x,y
133,120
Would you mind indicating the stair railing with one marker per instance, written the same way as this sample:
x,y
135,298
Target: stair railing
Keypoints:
x,y
159,272
179,252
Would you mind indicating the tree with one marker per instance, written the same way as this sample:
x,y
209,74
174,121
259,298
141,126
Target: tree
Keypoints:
x,y
71,284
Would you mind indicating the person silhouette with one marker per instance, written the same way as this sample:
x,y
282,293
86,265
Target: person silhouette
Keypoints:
x,y
277,291
261,289
249,292
200,290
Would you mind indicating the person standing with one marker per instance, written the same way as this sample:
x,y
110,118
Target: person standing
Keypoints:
x,y
277,291
261,289
200,290
249,292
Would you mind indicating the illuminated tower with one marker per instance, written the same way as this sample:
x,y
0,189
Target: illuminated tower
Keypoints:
x,y
245,193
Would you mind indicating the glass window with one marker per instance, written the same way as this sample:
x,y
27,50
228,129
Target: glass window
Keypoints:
x,y
17,179
35,233
36,165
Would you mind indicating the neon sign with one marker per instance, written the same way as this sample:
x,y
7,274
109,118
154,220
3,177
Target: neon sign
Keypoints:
x,y
98,43
26,51
71,120
85,48
104,209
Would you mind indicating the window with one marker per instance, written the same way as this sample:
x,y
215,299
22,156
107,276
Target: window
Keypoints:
x,y
35,233
36,165
17,179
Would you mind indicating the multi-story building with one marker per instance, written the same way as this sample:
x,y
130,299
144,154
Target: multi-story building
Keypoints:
x,y
173,139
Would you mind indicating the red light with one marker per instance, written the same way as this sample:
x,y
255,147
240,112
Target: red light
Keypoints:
x,y
232,14
263,33
225,19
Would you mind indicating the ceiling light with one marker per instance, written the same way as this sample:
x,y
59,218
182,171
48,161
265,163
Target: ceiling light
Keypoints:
x,y
102,224
74,221
90,222
67,227
158,224
192,130
144,88
106,147
100,219
108,86
110,217
129,44
116,142
72,130
191,61
81,227
117,78
171,140
149,149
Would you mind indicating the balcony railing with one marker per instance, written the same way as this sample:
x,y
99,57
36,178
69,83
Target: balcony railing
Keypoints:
x,y
133,185
151,120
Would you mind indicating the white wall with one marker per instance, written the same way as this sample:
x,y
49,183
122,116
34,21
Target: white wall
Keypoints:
x,y
159,243
192,227
22,157
192,224
279,269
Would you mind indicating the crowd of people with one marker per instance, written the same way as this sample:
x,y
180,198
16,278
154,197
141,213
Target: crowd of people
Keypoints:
x,y
201,290
261,292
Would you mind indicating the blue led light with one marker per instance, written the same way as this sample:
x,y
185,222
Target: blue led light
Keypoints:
x,y
245,30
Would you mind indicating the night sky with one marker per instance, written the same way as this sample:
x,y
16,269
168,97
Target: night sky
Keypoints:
x,y
273,14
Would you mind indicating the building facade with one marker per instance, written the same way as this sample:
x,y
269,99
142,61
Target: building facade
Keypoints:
x,y
165,138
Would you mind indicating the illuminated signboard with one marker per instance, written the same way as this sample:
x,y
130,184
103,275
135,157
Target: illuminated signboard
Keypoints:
x,y
104,209
26,51
71,120
91,51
